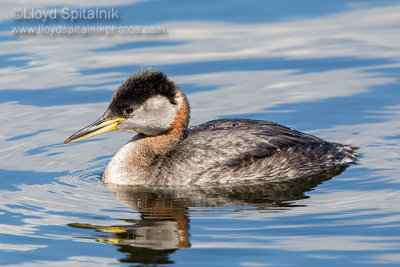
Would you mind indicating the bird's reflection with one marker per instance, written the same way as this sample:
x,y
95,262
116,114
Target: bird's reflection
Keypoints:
x,y
164,212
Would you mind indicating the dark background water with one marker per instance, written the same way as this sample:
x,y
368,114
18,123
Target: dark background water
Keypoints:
x,y
327,68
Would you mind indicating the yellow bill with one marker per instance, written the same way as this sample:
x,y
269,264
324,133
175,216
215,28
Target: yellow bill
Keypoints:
x,y
98,127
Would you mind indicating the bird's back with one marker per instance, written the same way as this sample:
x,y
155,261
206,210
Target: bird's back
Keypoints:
x,y
233,150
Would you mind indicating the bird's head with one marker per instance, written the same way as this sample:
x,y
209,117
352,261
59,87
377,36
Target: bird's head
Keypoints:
x,y
147,102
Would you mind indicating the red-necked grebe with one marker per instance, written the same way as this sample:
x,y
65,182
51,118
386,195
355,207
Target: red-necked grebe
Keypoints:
x,y
166,152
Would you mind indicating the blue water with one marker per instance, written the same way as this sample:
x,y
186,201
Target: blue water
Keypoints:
x,y
329,69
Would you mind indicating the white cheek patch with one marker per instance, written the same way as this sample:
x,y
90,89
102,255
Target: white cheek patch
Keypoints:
x,y
155,115
157,102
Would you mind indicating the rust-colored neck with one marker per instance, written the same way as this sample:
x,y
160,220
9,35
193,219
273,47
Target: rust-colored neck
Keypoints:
x,y
130,165
164,142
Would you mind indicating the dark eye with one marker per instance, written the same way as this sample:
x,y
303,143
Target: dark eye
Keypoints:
x,y
128,111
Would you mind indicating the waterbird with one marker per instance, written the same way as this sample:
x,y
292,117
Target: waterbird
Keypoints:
x,y
165,151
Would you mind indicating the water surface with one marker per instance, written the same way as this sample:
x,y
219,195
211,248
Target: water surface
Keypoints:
x,y
329,69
